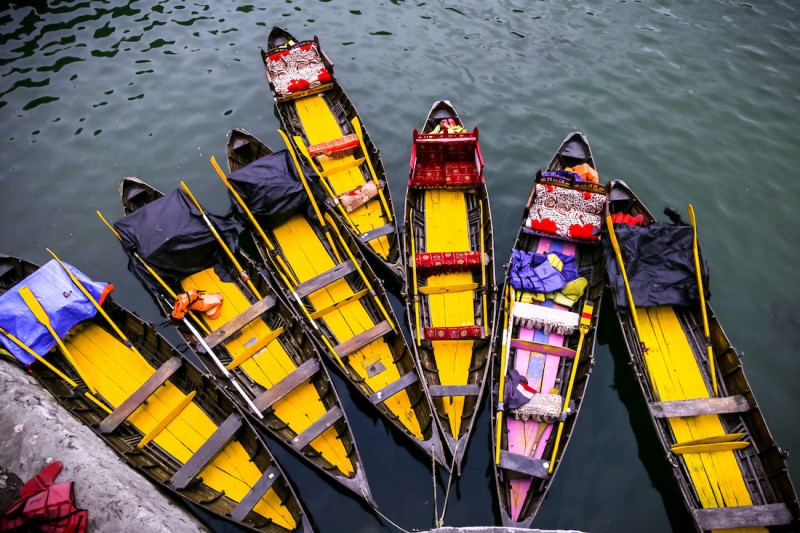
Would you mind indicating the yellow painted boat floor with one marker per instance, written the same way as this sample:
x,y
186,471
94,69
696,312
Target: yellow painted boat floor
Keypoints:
x,y
302,406
675,375
320,126
307,257
117,372
443,233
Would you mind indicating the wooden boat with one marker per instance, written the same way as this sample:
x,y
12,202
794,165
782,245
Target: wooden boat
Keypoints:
x,y
321,268
449,258
550,343
729,469
275,368
326,129
158,412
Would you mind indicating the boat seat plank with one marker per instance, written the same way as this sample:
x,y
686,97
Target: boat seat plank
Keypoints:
x,y
255,348
362,339
343,168
441,289
206,452
773,514
393,388
326,278
286,385
386,229
126,409
317,428
539,347
524,465
699,406
338,305
454,390
229,328
258,491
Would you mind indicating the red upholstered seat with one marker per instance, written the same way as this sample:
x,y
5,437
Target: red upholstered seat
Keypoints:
x,y
453,334
446,160
341,147
447,262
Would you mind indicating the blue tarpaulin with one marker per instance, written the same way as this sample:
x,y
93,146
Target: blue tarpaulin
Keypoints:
x,y
63,301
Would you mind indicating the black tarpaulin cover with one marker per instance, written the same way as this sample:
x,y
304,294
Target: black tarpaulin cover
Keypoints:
x,y
270,188
659,262
172,237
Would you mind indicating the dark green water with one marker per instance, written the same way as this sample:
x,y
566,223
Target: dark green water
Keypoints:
x,y
687,101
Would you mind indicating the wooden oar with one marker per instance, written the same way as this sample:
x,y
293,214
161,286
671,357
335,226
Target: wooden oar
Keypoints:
x,y
96,304
503,368
586,318
41,315
282,268
701,290
221,242
618,252
56,371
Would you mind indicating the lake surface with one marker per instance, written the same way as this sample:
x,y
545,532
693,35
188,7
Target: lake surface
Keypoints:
x,y
687,101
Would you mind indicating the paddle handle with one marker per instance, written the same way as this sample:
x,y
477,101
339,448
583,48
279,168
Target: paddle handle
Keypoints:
x,y
503,365
701,291
615,244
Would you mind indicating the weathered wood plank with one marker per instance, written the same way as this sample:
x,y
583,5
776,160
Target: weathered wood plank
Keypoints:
x,y
393,388
326,278
524,465
699,406
207,451
774,514
373,234
292,380
362,339
222,333
454,390
258,491
141,395
317,428
531,346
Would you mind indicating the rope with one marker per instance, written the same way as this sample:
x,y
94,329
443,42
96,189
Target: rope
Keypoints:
x,y
440,521
433,472
388,520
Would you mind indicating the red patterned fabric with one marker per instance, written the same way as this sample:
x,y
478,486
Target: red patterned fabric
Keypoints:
x,y
297,69
453,334
341,147
461,174
447,262
446,160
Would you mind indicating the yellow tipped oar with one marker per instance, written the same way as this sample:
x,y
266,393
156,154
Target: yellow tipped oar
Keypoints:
x,y
154,274
586,320
96,304
503,368
357,127
618,252
701,291
413,260
269,244
483,266
41,315
56,371
221,242
252,218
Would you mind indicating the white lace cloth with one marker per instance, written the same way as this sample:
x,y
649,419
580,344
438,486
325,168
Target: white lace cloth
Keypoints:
x,y
547,319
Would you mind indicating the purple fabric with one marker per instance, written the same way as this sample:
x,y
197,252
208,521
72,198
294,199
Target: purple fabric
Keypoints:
x,y
533,272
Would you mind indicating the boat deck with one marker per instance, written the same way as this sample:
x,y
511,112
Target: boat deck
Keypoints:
x,y
675,375
320,125
308,257
447,230
300,407
117,372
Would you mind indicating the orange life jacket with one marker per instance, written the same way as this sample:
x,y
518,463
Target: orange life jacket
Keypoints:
x,y
197,300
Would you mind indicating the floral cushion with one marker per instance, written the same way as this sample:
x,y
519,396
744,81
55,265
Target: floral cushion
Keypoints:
x,y
297,69
453,334
567,213
447,262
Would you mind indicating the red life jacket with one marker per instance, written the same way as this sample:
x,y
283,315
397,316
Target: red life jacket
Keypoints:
x,y
45,506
